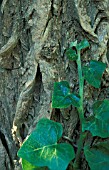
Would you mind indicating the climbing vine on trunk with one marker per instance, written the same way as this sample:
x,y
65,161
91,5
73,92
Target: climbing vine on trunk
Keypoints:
x,y
41,150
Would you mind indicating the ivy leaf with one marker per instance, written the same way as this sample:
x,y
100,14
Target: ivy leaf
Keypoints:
x,y
98,156
53,133
94,72
82,45
75,99
98,124
71,54
73,44
41,148
28,166
62,98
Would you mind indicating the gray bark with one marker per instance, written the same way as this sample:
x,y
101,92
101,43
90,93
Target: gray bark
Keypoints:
x,y
34,36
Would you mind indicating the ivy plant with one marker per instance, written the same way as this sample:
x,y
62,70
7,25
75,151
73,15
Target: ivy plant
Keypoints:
x,y
41,150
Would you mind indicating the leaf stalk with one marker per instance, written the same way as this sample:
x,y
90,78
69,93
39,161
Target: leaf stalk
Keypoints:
x,y
81,113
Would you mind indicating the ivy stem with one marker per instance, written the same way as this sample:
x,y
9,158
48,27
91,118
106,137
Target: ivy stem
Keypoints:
x,y
81,86
80,143
81,114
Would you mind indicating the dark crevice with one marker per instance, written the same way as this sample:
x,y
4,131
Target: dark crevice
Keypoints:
x,y
100,12
35,92
32,14
22,132
61,51
52,8
38,83
4,142
55,115
38,74
1,2
46,25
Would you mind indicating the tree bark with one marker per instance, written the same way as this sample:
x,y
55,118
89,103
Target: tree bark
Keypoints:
x,y
33,40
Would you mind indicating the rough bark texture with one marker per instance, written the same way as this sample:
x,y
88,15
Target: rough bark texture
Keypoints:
x,y
33,38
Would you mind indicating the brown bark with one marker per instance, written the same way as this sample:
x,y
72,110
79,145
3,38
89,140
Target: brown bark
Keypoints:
x,y
33,38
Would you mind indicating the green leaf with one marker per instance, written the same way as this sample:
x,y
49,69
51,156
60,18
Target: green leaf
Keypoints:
x,y
62,98
73,44
28,166
71,54
41,148
101,109
53,133
75,99
98,156
82,45
94,72
98,124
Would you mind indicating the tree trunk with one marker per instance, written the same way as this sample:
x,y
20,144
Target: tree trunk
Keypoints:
x,y
33,40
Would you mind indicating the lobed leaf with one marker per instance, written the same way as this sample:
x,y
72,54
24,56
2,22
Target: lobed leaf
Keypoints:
x,y
98,124
53,131
82,45
75,99
62,98
73,44
94,72
28,166
41,148
71,54
97,156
